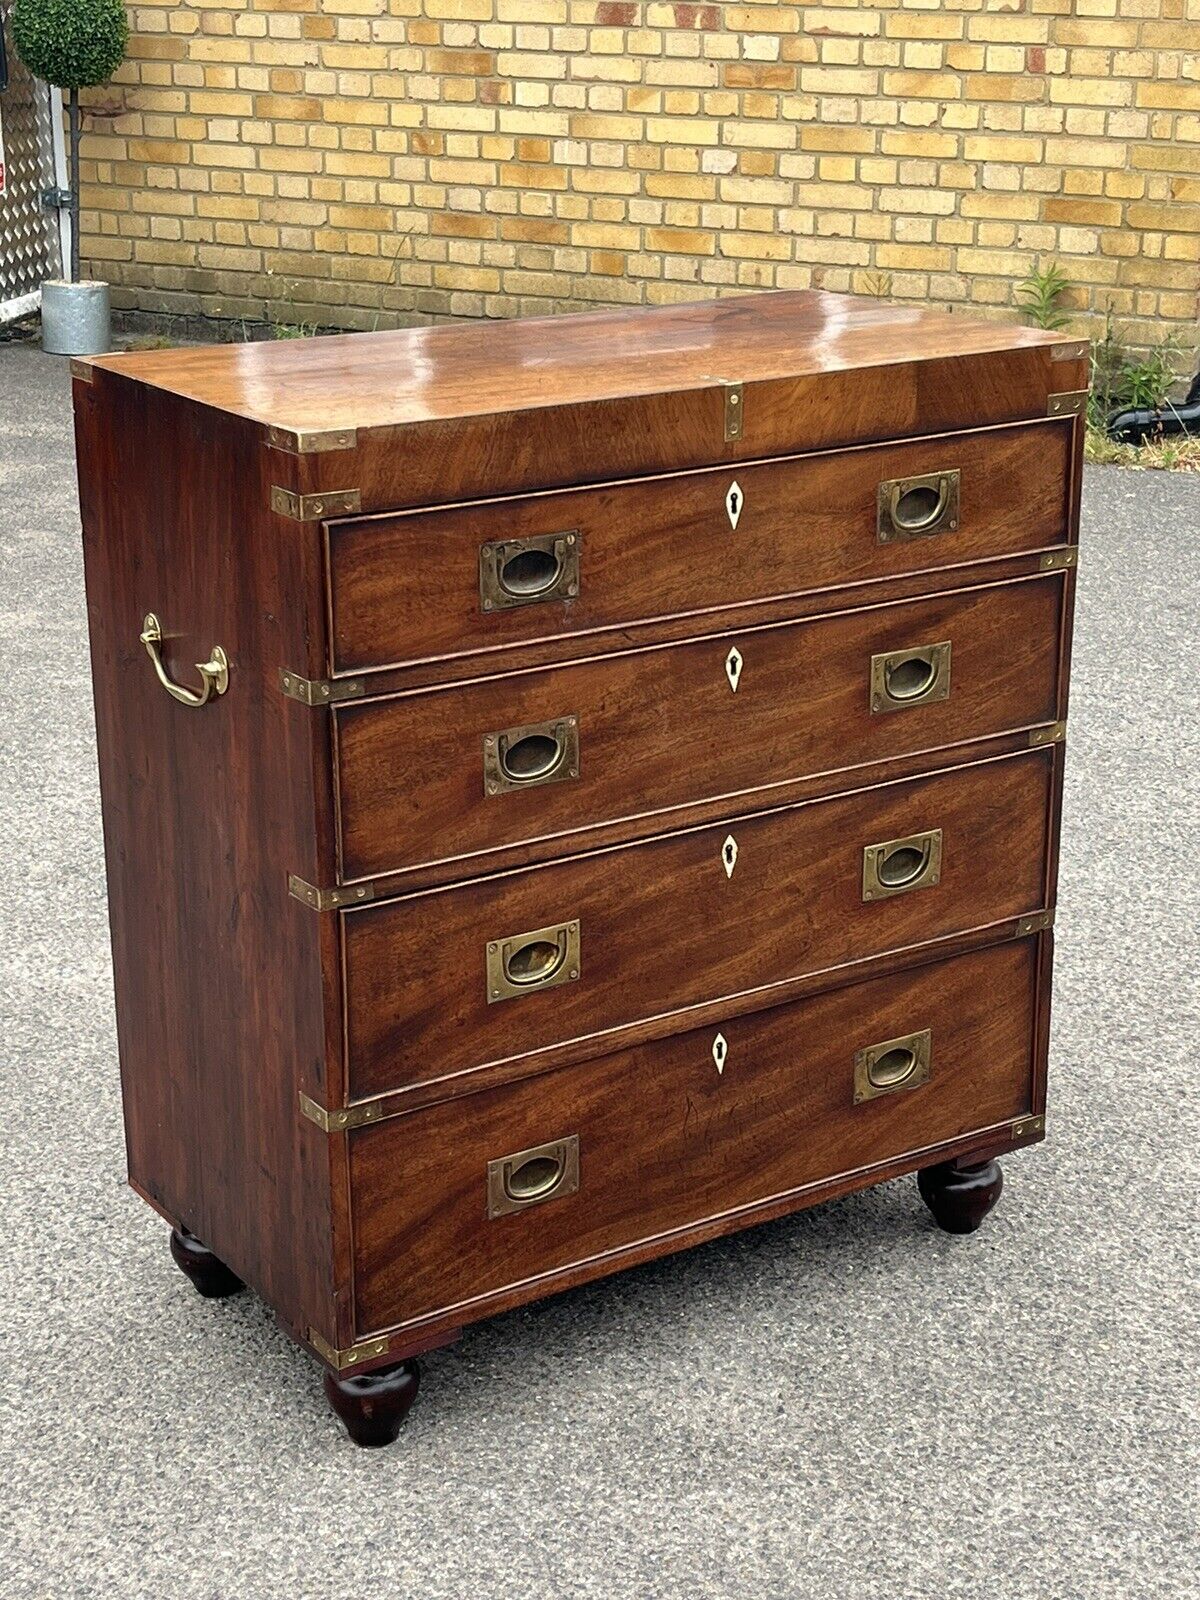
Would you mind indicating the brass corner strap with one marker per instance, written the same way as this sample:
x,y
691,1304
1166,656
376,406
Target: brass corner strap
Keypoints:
x,y
354,894
339,1360
735,407
1037,922
83,370
1069,403
1052,733
320,691
1028,1127
314,507
1075,351
1058,560
341,1120
312,441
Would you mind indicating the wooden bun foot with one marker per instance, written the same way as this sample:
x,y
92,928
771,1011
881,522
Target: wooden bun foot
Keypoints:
x,y
374,1404
211,1276
960,1195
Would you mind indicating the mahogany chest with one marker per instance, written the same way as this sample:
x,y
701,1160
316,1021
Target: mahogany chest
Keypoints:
x,y
573,788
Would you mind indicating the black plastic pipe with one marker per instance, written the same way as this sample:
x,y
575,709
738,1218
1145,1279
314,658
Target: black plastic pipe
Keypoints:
x,y
1135,427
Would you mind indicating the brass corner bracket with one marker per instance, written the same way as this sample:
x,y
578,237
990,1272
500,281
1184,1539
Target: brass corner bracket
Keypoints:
x,y
1069,403
312,441
1053,733
341,1120
320,691
1075,351
1027,1127
339,1360
1037,922
83,370
354,894
314,507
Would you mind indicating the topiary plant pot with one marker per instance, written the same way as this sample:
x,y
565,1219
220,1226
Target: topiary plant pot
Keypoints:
x,y
76,318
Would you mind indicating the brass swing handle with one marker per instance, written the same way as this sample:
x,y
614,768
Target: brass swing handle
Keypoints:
x,y
214,671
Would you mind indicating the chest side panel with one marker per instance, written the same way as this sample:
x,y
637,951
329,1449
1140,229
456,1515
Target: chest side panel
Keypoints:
x,y
218,974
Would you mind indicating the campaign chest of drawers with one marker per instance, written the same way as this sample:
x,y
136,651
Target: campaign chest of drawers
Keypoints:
x,y
616,801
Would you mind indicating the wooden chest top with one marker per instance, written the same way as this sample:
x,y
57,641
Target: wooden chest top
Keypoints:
x,y
447,412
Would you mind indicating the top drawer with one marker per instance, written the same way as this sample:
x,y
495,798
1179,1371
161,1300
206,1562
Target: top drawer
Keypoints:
x,y
497,574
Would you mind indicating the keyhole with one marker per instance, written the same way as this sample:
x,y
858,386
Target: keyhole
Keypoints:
x,y
719,1051
734,501
729,855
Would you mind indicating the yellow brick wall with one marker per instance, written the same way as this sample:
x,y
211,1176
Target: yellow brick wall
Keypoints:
x,y
363,162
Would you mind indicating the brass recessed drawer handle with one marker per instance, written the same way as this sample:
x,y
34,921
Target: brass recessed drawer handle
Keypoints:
x,y
528,962
214,672
897,866
916,677
530,1177
521,572
526,757
910,508
891,1065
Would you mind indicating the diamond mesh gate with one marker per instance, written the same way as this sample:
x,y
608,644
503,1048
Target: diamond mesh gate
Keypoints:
x,y
30,243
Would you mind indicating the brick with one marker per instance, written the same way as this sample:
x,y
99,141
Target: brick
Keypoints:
x,y
530,154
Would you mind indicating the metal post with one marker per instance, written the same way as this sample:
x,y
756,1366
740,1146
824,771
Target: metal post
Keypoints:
x,y
73,121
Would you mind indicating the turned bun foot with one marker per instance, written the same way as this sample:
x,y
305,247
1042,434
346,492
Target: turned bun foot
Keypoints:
x,y
374,1404
960,1195
211,1276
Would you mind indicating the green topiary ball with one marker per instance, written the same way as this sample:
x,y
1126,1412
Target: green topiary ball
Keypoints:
x,y
70,43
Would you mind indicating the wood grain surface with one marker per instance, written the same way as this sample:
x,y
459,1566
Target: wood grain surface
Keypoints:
x,y
664,928
667,1142
407,588
662,730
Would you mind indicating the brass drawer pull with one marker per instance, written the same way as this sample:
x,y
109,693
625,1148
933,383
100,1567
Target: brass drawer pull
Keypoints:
x,y
214,672
911,508
530,1177
523,758
520,572
916,677
540,959
898,865
891,1065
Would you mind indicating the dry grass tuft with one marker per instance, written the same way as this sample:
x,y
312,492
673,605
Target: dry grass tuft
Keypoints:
x,y
1180,454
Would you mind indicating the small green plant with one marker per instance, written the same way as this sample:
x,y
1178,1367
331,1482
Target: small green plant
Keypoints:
x,y
293,330
1040,297
1146,383
71,44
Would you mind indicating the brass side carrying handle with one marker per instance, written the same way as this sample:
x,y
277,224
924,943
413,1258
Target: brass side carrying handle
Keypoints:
x,y
214,672
892,1065
916,677
531,1177
911,508
525,962
897,866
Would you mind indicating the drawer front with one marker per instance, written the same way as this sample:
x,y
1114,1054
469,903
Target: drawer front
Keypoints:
x,y
502,573
467,1198
522,964
630,738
